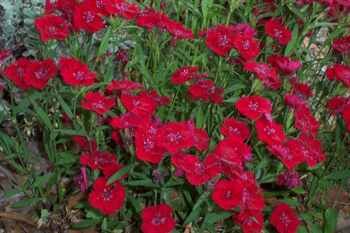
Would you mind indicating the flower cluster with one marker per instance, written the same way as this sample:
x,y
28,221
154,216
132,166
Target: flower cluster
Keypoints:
x,y
130,111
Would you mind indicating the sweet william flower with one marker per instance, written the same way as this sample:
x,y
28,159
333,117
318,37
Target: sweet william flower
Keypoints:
x,y
227,193
284,219
186,73
337,104
254,107
197,172
150,18
38,73
146,145
76,73
123,85
178,30
158,218
205,90
233,127
16,72
339,72
287,153
305,121
247,46
250,221
219,39
97,102
86,17
108,199
342,45
284,64
122,9
268,75
175,136
52,27
276,30
143,104
84,143
269,132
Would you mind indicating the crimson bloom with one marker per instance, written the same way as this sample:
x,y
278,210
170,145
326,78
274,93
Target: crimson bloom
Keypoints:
x,y
178,30
76,73
186,73
268,75
250,221
284,64
337,104
123,85
253,107
143,104
97,102
122,8
276,30
233,127
150,18
342,45
101,160
346,117
146,145
340,73
86,18
287,153
17,71
289,179
247,46
197,172
305,121
128,120
84,143
108,199
227,193
175,136
38,73
157,219
284,219
205,90
269,131
220,39
51,27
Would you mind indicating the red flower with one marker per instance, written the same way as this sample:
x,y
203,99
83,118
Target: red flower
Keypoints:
x,y
197,172
220,39
287,153
84,143
232,152
38,73
123,9
175,136
151,18
346,117
250,221
284,219
86,18
342,45
269,132
305,121
275,29
97,102
201,139
64,7
232,127
247,46
128,120
51,27
337,103
186,73
253,107
76,73
310,148
227,193
146,145
17,71
101,160
294,100
340,73
303,90
178,30
205,89
108,199
268,75
284,64
156,219
143,104
123,85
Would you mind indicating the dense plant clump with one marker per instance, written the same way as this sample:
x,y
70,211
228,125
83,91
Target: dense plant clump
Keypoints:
x,y
169,116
